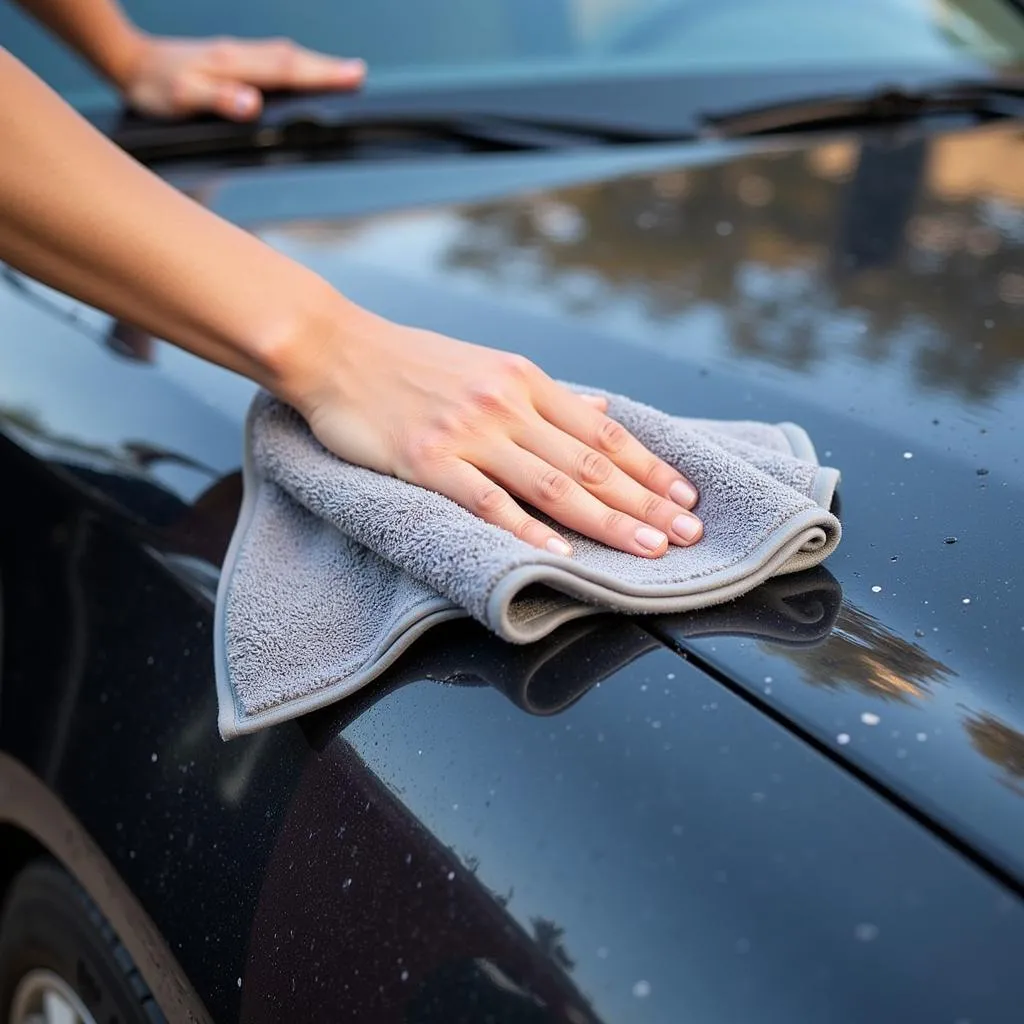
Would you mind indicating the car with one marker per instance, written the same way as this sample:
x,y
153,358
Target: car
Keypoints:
x,y
805,805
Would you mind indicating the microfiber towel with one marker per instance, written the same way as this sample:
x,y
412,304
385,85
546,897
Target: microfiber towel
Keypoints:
x,y
333,569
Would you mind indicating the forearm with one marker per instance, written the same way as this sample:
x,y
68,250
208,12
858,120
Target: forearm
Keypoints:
x,y
97,29
79,214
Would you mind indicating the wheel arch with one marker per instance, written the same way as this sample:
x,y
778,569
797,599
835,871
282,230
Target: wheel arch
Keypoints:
x,y
34,822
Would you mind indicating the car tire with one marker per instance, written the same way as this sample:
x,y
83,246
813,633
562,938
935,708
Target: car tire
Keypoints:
x,y
61,961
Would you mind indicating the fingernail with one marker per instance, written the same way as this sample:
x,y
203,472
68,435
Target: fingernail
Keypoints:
x,y
650,539
558,547
244,101
683,493
687,527
351,67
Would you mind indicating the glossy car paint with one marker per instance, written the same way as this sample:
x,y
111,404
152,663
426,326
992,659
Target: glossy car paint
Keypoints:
x,y
776,825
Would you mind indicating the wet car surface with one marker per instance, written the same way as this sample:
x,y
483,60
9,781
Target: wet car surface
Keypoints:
x,y
803,806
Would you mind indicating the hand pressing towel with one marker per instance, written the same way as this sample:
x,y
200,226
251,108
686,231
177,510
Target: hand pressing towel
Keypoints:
x,y
334,570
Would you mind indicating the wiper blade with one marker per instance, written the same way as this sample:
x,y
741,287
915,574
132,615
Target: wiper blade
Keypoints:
x,y
987,99
308,127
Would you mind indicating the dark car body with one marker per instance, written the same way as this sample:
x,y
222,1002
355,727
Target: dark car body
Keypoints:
x,y
807,805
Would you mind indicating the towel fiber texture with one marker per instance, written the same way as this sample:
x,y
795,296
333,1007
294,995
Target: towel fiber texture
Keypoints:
x,y
333,569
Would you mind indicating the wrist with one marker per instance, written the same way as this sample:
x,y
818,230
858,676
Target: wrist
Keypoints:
x,y
309,354
122,54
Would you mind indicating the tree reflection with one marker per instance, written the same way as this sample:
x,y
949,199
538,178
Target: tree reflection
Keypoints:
x,y
550,939
904,253
863,655
1001,744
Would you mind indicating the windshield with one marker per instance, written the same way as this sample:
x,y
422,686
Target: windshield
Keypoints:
x,y
409,42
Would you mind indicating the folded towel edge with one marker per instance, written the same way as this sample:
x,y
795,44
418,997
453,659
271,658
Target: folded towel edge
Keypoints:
x,y
595,588
799,441
823,487
227,712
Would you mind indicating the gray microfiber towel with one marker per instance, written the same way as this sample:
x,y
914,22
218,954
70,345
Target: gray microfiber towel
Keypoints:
x,y
334,570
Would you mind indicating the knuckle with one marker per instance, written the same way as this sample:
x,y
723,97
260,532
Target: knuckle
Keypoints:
x,y
652,507
614,522
490,398
457,423
180,92
488,502
430,447
592,467
651,473
286,56
516,366
451,423
553,486
525,528
611,436
223,54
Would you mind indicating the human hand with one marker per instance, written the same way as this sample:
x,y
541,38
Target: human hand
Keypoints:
x,y
179,77
480,425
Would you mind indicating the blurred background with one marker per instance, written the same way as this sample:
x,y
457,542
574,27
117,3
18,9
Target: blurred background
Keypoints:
x,y
442,40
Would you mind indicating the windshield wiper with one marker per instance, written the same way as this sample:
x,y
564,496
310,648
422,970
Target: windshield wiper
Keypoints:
x,y
985,99
310,128
546,115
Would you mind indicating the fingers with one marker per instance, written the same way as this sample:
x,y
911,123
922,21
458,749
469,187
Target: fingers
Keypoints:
x,y
283,64
470,488
591,426
193,93
556,493
616,489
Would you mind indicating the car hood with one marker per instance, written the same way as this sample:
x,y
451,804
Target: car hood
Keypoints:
x,y
871,289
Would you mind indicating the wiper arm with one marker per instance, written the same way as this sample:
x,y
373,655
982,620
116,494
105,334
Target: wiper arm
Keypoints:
x,y
989,99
